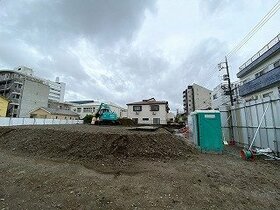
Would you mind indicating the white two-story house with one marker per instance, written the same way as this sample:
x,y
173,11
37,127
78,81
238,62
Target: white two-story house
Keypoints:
x,y
148,112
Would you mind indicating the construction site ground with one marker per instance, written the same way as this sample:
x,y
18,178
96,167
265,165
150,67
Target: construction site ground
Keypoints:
x,y
93,167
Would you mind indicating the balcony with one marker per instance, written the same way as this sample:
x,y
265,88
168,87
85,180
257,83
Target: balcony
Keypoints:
x,y
264,54
261,83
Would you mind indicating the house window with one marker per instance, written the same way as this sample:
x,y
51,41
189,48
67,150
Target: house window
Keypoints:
x,y
137,108
135,120
154,107
145,119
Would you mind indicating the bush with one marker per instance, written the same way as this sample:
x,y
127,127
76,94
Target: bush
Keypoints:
x,y
87,119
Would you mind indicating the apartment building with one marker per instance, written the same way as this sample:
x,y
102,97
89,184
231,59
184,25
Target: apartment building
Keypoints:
x,y
148,111
57,88
24,91
196,97
260,75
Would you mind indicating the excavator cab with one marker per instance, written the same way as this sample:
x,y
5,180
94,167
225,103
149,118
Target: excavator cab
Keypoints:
x,y
105,115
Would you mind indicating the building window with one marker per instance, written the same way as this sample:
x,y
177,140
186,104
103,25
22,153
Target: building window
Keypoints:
x,y
16,107
154,107
88,109
276,64
215,96
145,119
137,108
267,94
79,109
259,74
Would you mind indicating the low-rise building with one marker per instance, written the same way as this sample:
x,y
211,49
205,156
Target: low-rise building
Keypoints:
x,y
59,105
3,106
49,113
260,75
221,95
148,111
90,107
196,97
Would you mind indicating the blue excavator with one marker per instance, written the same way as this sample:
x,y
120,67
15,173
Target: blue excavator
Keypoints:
x,y
105,116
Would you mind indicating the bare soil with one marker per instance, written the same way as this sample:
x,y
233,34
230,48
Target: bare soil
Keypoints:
x,y
90,167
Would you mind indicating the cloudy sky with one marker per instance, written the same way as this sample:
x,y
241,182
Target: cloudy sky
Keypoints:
x,y
128,50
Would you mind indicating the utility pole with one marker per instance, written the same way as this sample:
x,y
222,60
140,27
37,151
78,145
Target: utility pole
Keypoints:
x,y
227,77
229,83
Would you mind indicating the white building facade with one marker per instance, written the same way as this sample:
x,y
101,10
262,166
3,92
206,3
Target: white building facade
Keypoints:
x,y
260,75
148,112
221,97
90,107
196,97
57,90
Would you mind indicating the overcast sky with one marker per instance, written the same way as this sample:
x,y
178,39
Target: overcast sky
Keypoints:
x,y
128,50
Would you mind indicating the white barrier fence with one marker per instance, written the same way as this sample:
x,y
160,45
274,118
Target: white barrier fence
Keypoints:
x,y
7,121
245,119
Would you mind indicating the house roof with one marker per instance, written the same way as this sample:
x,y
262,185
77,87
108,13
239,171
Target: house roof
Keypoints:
x,y
58,111
148,102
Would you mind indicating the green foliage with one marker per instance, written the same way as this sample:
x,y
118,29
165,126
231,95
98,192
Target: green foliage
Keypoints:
x,y
180,118
88,118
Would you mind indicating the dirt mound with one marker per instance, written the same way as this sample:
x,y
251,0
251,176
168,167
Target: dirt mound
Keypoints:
x,y
81,145
126,122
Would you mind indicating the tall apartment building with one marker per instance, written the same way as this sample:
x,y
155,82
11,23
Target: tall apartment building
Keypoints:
x,y
24,91
57,88
260,75
196,97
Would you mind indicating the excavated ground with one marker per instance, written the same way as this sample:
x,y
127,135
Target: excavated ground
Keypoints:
x,y
91,167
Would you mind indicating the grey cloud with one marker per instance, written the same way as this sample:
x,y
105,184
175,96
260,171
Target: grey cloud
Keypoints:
x,y
213,6
104,22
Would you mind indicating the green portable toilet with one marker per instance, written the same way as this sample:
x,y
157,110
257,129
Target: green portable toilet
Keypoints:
x,y
206,131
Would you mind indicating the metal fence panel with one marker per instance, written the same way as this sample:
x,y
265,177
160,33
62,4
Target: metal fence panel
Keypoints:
x,y
246,118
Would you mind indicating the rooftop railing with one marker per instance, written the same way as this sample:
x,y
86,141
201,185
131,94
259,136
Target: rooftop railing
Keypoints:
x,y
261,52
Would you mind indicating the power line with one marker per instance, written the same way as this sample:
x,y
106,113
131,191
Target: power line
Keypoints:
x,y
263,21
260,24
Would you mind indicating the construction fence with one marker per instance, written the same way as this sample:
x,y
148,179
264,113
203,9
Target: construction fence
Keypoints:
x,y
7,121
245,119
